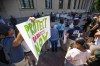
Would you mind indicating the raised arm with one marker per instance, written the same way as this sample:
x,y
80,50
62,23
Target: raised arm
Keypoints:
x,y
19,38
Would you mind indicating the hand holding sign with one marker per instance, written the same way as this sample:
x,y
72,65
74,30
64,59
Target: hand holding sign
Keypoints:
x,y
19,38
31,19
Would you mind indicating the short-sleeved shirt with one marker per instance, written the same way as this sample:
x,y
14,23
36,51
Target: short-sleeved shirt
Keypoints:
x,y
77,57
16,54
54,34
60,27
74,32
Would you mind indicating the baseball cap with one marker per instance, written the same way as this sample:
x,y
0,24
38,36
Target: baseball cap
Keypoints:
x,y
76,20
97,54
4,29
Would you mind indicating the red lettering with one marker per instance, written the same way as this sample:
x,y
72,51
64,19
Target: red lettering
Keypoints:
x,y
38,35
34,38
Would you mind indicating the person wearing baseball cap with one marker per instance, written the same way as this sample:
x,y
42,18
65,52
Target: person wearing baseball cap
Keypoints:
x,y
96,61
13,45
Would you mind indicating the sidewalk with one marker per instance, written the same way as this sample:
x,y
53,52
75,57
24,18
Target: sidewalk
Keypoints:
x,y
52,59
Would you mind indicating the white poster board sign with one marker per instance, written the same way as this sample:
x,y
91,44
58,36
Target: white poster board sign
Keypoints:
x,y
35,33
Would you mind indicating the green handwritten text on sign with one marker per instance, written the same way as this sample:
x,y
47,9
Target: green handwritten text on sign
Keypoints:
x,y
35,26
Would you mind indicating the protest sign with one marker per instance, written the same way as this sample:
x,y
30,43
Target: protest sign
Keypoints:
x,y
35,33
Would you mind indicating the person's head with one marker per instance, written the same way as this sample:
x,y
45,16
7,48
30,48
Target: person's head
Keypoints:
x,y
42,13
80,43
61,20
11,16
6,30
97,54
95,17
76,22
51,13
52,25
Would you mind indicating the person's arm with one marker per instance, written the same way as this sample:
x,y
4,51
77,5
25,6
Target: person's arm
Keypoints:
x,y
18,40
65,37
94,27
81,33
67,32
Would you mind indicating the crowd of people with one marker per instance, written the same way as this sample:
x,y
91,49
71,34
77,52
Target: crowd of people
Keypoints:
x,y
81,42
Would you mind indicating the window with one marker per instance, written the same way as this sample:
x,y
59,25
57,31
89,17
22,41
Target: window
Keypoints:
x,y
91,6
78,4
27,3
60,4
75,3
69,2
48,4
87,4
82,4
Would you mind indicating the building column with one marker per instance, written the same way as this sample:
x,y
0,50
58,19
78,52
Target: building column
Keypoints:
x,y
91,5
89,2
84,3
80,5
72,4
65,5
77,5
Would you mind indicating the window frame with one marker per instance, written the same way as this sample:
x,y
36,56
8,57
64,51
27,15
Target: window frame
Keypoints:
x,y
74,4
30,4
48,4
69,4
82,4
79,4
61,4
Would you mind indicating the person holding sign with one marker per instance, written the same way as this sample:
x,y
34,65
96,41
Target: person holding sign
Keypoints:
x,y
13,46
35,34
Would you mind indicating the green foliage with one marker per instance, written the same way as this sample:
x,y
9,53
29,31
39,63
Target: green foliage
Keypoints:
x,y
97,5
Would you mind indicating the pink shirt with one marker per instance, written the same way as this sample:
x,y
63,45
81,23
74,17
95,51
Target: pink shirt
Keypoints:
x,y
77,57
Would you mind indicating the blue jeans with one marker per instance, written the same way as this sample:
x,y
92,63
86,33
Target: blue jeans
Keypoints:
x,y
54,45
